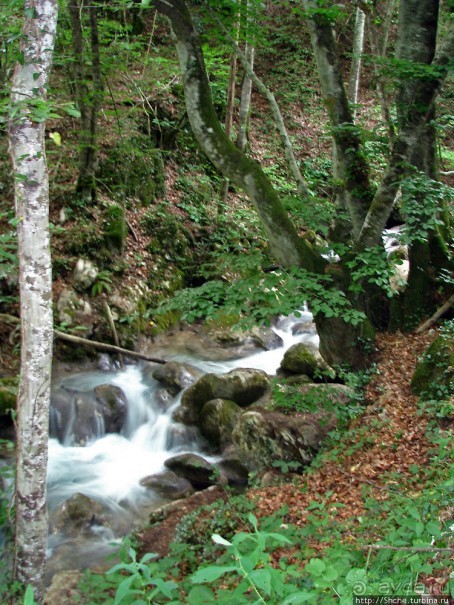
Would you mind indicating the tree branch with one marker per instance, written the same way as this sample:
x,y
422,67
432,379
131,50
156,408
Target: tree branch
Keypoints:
x,y
102,346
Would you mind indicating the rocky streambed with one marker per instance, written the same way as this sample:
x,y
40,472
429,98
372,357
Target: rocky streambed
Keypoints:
x,y
125,442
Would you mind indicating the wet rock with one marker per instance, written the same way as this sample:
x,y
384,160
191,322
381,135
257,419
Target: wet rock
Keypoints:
x,y
305,359
168,485
266,338
176,376
180,437
243,386
85,274
232,468
221,344
78,417
112,405
263,438
304,327
217,420
78,515
194,468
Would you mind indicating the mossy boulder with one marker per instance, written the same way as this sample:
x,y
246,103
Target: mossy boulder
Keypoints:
x,y
78,514
304,358
434,374
198,471
176,376
168,485
217,420
8,394
242,386
264,439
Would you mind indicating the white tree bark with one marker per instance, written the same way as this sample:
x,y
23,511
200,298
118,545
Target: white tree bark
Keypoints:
x,y
245,101
355,71
26,145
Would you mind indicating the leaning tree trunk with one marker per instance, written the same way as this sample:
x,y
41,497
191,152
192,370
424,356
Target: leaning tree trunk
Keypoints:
x,y
27,149
340,341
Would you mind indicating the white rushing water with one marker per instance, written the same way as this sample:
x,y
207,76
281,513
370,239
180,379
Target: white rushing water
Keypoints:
x,y
109,468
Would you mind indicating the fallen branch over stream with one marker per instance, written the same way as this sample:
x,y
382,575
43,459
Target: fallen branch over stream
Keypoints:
x,y
102,346
85,342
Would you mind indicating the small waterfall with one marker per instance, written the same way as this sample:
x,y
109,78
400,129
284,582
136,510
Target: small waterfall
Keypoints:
x,y
109,467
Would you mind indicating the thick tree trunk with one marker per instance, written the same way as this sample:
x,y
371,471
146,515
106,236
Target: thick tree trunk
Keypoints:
x,y
244,172
417,42
27,151
339,340
406,144
231,89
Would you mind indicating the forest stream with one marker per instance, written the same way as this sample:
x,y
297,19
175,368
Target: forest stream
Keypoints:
x,y
109,467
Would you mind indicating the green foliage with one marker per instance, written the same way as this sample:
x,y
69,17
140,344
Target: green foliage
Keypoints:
x,y
133,168
372,267
258,296
102,284
291,399
143,583
423,201
259,582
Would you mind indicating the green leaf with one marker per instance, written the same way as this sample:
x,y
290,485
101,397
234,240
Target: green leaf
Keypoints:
x,y
124,588
201,595
210,574
315,567
262,579
220,540
29,596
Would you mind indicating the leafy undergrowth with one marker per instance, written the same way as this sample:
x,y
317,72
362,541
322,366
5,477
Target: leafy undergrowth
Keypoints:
x,y
372,516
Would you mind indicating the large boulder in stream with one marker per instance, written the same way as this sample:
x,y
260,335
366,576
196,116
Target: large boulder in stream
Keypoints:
x,y
304,358
176,376
78,514
242,386
194,468
264,439
217,421
112,405
168,485
78,417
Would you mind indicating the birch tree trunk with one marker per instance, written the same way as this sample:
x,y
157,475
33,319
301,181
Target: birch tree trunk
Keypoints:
x,y
27,149
231,89
246,92
355,71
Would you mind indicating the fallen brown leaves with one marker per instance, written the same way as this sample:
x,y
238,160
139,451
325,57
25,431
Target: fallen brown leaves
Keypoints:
x,y
395,440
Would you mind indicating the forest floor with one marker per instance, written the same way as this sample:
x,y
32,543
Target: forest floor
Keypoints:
x,y
388,440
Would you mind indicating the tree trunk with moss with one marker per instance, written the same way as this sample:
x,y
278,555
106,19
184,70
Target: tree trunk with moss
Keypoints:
x,y
368,212
418,21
